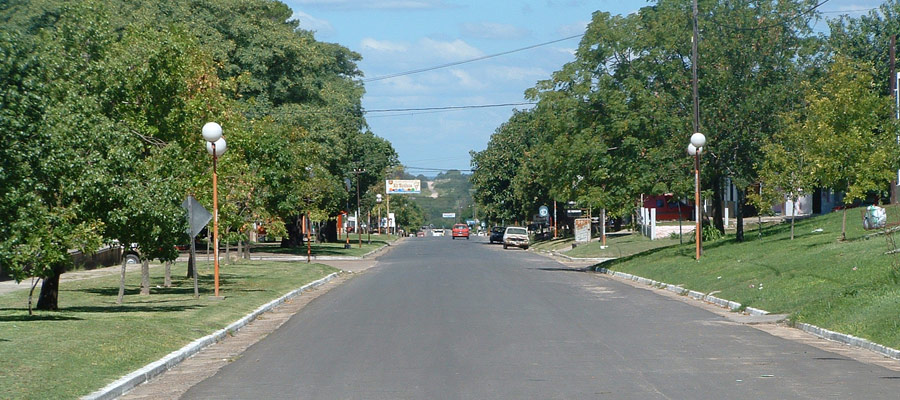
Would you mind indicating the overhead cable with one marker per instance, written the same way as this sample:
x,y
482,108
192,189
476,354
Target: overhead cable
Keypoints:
x,y
420,70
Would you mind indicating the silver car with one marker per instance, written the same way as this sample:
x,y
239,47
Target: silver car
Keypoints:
x,y
516,237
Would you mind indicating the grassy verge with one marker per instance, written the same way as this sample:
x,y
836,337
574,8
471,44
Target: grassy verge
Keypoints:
x,y
847,286
331,249
618,245
92,341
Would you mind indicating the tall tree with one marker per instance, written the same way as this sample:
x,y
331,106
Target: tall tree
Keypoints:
x,y
854,142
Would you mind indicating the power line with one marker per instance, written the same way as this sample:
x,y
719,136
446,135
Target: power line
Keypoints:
x,y
438,169
848,11
465,107
416,71
774,24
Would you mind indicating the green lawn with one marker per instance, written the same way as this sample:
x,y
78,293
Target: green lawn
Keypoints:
x,y
617,245
368,244
92,341
846,286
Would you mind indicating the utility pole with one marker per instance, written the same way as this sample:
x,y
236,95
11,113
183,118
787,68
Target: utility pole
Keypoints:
x,y
358,171
895,91
694,41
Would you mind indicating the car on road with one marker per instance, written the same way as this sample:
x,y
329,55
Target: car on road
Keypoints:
x,y
515,236
460,230
497,234
437,232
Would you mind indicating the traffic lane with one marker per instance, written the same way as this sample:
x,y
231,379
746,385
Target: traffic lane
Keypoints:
x,y
463,319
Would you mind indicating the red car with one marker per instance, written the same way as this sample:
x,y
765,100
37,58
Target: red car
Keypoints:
x,y
461,230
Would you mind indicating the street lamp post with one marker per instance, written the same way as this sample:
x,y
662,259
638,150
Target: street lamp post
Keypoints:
x,y
215,145
378,201
695,148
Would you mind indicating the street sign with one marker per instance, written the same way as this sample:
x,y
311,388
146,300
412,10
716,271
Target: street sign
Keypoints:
x,y
198,217
544,212
448,215
573,213
582,230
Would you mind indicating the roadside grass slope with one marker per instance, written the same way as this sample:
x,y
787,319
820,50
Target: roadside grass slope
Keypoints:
x,y
847,286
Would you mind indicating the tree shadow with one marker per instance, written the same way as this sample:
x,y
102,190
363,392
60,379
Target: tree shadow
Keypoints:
x,y
30,318
561,269
114,291
127,308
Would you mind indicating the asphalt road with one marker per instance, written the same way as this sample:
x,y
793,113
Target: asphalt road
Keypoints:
x,y
445,319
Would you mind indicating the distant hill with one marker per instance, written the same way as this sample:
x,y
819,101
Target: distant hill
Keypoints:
x,y
449,191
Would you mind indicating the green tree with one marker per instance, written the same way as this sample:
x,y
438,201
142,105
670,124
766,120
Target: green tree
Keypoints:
x,y
787,171
854,140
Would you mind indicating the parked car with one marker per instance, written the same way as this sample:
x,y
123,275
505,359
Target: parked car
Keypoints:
x,y
515,236
437,232
497,234
460,230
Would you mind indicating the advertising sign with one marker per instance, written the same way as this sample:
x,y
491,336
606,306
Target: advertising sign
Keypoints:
x,y
401,186
448,215
582,230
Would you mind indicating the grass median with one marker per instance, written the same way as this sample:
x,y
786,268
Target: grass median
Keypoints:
x,y
92,341
849,286
619,244
360,245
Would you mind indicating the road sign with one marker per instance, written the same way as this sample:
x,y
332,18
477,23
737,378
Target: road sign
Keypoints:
x,y
448,215
583,230
198,217
544,211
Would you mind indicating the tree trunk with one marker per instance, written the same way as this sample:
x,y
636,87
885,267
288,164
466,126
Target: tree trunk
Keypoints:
x,y
145,277
247,249
718,203
48,300
168,279
739,215
240,249
294,236
329,232
844,225
190,266
227,248
122,283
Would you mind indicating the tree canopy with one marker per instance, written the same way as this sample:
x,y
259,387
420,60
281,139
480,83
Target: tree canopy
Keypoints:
x,y
101,104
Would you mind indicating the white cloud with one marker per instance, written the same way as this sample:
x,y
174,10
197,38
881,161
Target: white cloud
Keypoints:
x,y
517,73
456,50
574,28
311,23
491,30
382,45
466,80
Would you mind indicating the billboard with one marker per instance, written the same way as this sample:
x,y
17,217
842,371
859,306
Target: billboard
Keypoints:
x,y
402,186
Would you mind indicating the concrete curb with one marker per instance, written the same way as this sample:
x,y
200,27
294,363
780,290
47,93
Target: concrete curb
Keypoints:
x,y
734,306
149,371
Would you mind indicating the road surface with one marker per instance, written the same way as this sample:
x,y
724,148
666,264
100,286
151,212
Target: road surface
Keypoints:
x,y
461,319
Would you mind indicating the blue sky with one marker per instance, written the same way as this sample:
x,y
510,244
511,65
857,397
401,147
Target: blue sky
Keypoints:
x,y
401,35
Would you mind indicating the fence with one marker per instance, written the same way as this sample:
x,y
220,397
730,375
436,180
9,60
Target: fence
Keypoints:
x,y
647,222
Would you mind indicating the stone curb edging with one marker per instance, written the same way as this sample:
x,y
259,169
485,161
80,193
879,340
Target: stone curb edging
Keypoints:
x,y
149,371
849,340
812,329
